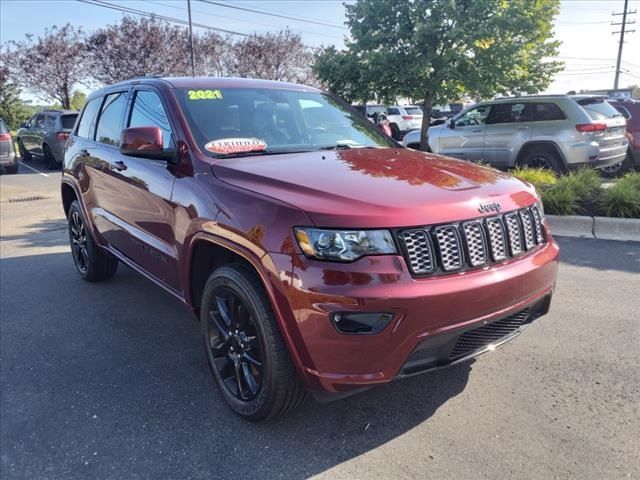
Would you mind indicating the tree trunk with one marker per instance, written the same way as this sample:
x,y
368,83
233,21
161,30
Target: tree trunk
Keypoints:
x,y
66,99
427,107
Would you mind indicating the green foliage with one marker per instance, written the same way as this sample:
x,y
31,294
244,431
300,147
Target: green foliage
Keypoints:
x,y
623,198
538,177
570,193
560,199
437,50
583,182
635,91
12,109
76,102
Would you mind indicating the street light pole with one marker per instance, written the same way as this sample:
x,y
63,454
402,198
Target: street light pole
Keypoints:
x,y
193,60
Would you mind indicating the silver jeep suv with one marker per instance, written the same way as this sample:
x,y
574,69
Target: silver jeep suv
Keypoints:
x,y
560,132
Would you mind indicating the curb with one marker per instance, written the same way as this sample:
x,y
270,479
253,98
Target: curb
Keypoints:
x,y
602,228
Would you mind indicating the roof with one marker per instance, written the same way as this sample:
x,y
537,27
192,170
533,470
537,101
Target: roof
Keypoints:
x,y
217,82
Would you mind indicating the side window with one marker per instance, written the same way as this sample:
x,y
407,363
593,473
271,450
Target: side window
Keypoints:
x,y
474,117
148,111
508,113
39,121
547,111
50,121
87,124
110,121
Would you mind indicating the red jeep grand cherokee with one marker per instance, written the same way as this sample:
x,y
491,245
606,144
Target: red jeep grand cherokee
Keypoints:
x,y
318,254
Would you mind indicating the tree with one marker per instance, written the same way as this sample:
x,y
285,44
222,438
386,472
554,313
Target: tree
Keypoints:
x,y
52,64
436,50
12,109
635,91
137,47
280,56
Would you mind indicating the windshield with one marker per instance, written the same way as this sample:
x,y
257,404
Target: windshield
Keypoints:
x,y
598,109
244,120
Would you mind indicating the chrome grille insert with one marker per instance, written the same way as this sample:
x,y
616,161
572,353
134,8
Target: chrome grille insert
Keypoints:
x,y
419,250
528,229
449,246
514,233
476,245
497,239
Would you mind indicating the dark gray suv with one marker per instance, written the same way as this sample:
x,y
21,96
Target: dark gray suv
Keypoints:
x,y
45,134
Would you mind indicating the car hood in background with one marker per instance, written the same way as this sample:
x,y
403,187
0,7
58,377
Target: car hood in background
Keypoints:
x,y
372,188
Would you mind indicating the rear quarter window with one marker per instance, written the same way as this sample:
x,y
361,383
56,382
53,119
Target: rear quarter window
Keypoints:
x,y
598,109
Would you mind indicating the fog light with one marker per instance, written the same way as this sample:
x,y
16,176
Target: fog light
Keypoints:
x,y
363,323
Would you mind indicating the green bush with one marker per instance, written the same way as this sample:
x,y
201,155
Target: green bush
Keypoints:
x,y
560,199
623,198
538,177
584,182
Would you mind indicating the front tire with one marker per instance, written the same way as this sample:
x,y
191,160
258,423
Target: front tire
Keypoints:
x,y
245,350
93,263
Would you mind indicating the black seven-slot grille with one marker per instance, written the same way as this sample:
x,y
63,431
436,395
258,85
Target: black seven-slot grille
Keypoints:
x,y
473,243
480,337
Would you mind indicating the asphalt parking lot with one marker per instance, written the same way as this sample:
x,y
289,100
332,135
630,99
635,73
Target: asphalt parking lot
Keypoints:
x,y
110,381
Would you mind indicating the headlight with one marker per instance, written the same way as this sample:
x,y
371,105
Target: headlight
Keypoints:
x,y
343,245
540,209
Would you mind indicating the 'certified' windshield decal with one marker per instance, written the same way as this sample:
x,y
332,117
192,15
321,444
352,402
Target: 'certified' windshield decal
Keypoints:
x,y
235,145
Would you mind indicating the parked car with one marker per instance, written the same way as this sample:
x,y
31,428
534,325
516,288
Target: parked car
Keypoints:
x,y
45,134
630,110
8,159
318,254
557,132
403,118
371,111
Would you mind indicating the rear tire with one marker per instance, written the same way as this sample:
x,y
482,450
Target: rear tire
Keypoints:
x,y
52,164
543,157
92,262
12,169
24,154
239,329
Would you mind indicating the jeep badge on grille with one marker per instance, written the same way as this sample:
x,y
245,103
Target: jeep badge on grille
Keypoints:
x,y
489,207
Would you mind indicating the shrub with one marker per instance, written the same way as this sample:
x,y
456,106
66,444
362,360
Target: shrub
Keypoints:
x,y
623,198
584,182
538,177
560,199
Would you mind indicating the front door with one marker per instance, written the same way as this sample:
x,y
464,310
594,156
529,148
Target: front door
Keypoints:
x,y
465,138
508,127
138,206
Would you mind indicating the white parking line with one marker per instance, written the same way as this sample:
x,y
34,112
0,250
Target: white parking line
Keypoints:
x,y
31,168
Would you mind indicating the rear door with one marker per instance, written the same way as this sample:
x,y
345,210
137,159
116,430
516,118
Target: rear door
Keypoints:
x,y
465,139
30,138
140,209
507,129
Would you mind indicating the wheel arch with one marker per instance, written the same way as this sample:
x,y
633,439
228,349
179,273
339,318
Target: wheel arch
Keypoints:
x,y
207,252
528,146
68,194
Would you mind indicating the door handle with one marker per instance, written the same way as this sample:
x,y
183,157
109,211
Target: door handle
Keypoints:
x,y
84,153
119,165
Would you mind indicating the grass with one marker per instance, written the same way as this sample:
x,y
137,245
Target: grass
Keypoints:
x,y
580,192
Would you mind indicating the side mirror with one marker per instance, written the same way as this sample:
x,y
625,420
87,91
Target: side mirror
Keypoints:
x,y
144,142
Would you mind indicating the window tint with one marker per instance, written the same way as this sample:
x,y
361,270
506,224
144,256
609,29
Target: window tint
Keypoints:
x,y
148,111
88,121
475,116
598,109
393,111
110,121
68,121
50,121
547,111
39,121
508,113
625,113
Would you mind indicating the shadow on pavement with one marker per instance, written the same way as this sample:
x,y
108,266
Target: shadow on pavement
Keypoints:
x,y
110,381
600,254
48,233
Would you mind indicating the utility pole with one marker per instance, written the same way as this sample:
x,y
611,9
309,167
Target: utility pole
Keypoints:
x,y
623,24
193,60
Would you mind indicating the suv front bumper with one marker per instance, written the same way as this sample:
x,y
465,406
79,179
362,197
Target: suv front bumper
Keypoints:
x,y
435,309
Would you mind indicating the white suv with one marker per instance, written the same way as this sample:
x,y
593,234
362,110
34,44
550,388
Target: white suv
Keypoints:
x,y
403,118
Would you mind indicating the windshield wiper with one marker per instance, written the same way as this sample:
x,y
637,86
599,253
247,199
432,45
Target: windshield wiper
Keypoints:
x,y
252,153
344,146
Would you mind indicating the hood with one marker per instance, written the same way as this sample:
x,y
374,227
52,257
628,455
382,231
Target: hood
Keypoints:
x,y
372,188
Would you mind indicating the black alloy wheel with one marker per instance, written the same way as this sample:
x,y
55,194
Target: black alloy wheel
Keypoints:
x,y
234,345
79,247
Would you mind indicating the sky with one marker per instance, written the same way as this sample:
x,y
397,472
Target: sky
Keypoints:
x,y
589,48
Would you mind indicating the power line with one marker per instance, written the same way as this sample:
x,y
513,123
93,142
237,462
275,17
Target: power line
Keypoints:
x,y
101,3
297,19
